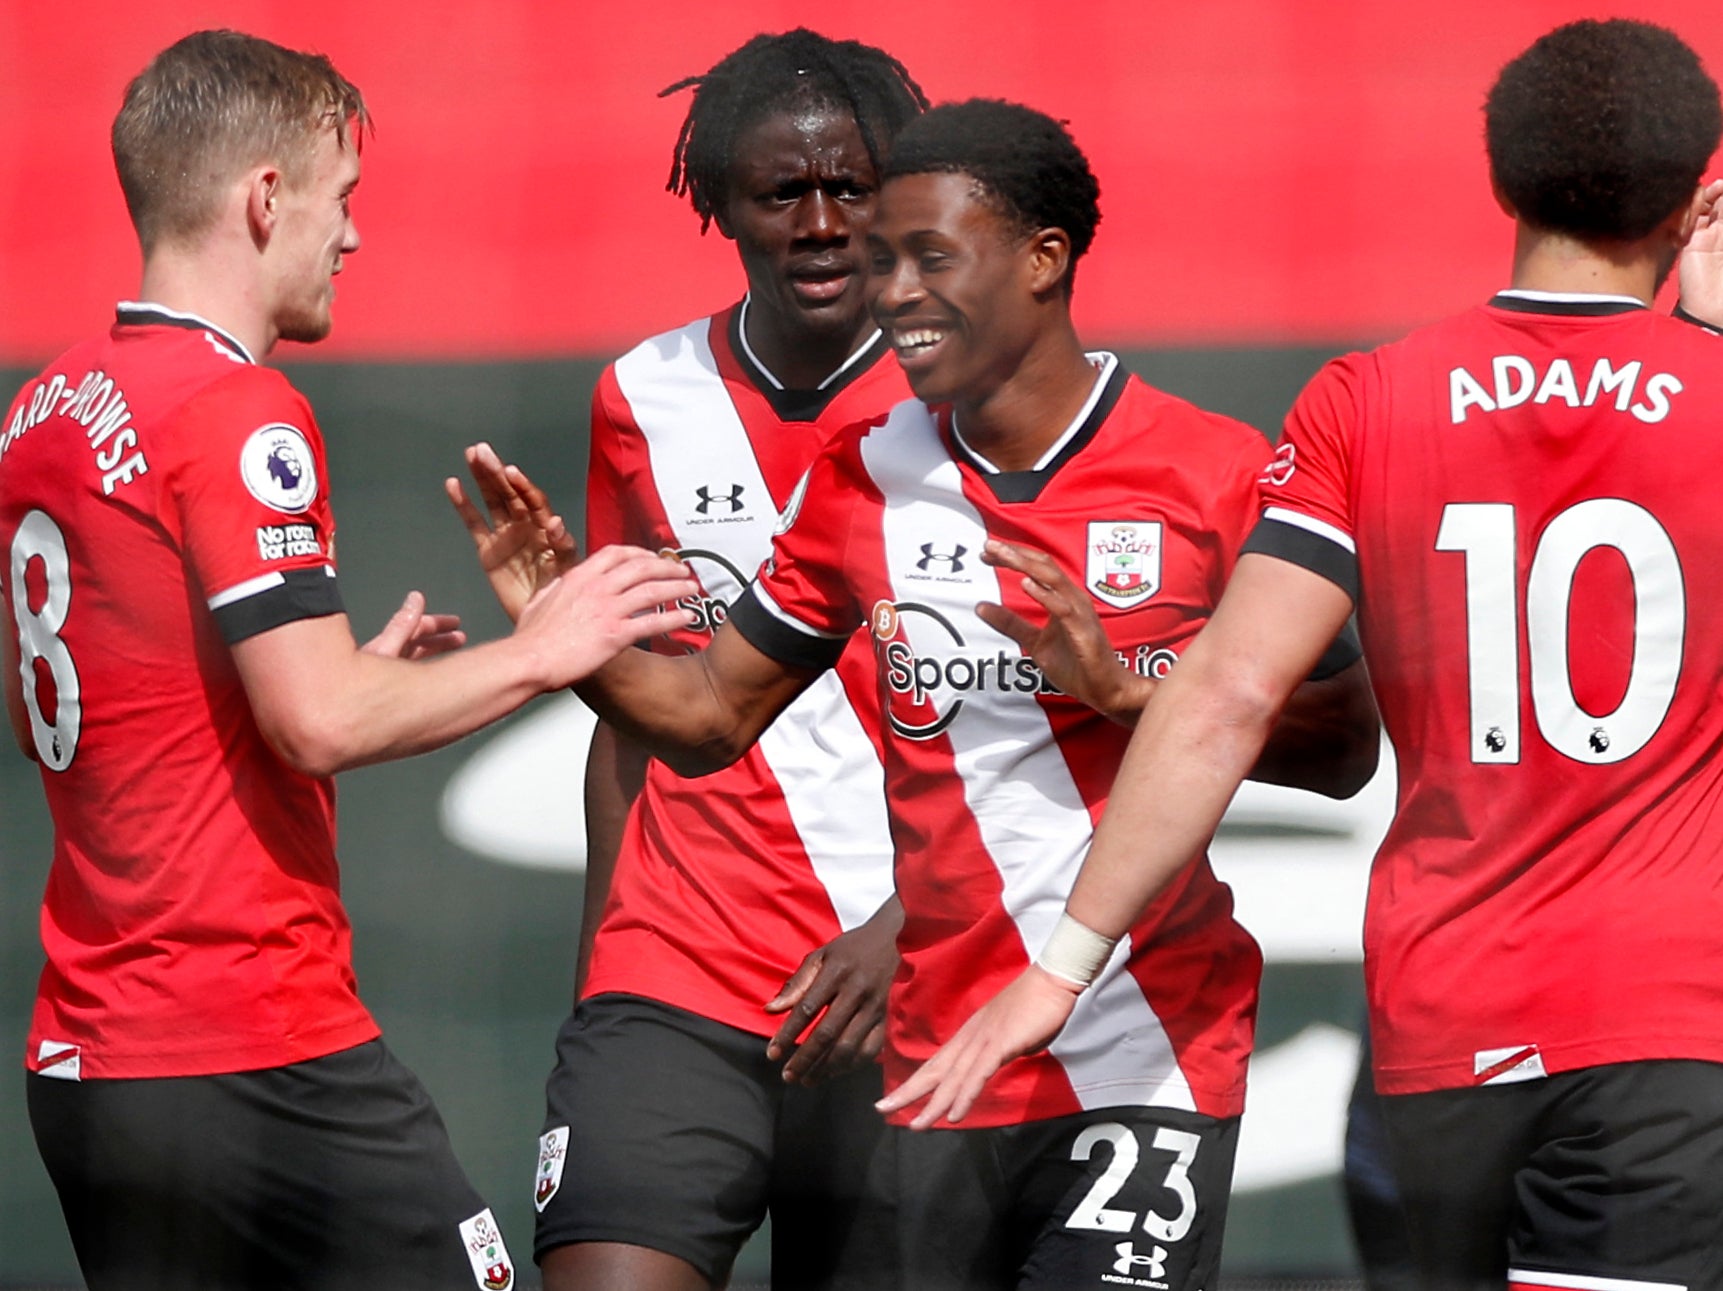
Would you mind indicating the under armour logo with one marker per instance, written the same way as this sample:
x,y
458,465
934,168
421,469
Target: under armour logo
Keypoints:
x,y
954,558
733,497
1128,1259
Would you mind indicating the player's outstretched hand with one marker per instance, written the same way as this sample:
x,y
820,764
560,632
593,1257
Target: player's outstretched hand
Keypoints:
x,y
615,598
834,1003
1070,647
522,544
1701,271
413,634
1022,1018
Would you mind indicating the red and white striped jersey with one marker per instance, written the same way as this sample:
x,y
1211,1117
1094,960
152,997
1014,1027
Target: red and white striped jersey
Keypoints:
x,y
161,497
725,882
1521,497
994,779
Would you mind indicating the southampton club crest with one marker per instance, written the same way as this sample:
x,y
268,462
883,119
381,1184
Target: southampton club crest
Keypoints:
x,y
1124,564
492,1268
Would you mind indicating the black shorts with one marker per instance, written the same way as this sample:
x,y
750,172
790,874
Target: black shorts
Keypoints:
x,y
668,1130
333,1173
1117,1197
1599,1179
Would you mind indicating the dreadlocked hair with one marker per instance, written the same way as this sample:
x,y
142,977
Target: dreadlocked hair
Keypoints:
x,y
771,73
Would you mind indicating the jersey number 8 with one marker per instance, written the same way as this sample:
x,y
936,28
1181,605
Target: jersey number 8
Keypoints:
x,y
39,538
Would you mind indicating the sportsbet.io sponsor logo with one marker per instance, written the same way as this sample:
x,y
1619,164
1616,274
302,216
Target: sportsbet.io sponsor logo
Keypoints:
x,y
277,467
717,575
927,691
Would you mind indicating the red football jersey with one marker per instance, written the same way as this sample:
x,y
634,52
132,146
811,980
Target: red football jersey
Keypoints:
x,y
725,882
160,497
1521,495
994,779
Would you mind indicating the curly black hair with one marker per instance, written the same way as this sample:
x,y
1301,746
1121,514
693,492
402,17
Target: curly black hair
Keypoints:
x,y
1023,161
772,73
1601,129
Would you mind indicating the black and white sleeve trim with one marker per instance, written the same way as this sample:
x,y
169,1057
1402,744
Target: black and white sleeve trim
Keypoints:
x,y
270,600
1687,316
1314,544
1342,652
766,627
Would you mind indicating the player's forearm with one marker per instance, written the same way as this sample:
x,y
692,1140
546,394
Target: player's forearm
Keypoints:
x,y
699,712
668,707
1327,738
1190,750
1202,732
365,709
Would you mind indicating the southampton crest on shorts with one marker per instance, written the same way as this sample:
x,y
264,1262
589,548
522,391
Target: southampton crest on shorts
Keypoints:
x,y
552,1155
1124,563
492,1269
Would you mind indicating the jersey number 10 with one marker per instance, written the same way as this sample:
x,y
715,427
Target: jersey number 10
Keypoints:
x,y
1484,532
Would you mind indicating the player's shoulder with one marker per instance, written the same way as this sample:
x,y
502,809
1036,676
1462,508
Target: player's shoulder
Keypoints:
x,y
1181,425
236,401
674,350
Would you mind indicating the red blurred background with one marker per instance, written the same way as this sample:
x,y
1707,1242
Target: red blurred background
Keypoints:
x,y
1271,171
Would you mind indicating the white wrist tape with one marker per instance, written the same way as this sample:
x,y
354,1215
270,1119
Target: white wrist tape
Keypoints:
x,y
1075,952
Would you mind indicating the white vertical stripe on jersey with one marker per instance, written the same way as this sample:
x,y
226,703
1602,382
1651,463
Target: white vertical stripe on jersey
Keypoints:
x,y
822,759
1027,808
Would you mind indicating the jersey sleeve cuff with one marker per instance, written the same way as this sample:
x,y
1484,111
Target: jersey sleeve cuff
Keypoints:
x,y
1342,653
774,634
273,599
1687,316
1310,544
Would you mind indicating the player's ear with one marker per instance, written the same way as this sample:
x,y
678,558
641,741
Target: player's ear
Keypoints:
x,y
1685,219
1049,252
263,189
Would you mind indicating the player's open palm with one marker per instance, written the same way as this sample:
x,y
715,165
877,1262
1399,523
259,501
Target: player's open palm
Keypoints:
x,y
414,633
1701,270
615,598
1023,1018
1070,646
521,543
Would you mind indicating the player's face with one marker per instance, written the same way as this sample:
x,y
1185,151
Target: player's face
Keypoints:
x,y
801,192
315,226
950,286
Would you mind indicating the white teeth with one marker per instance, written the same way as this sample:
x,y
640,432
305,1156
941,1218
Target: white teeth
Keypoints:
x,y
918,339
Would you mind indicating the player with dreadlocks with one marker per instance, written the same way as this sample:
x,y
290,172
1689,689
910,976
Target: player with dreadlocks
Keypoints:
x,y
739,929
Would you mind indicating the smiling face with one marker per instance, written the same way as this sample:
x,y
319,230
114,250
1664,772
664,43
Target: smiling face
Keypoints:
x,y
800,196
952,283
314,230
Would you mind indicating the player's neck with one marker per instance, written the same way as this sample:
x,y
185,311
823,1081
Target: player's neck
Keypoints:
x,y
1556,262
196,282
801,359
1014,424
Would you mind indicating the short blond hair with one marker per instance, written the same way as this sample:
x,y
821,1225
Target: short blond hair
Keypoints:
x,y
212,105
